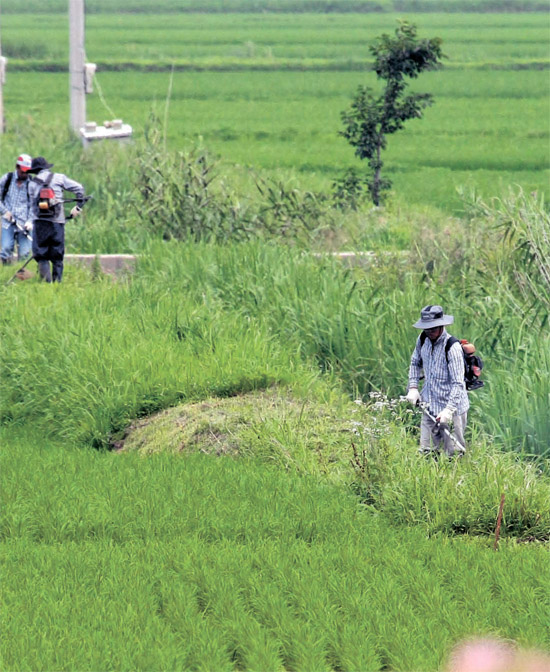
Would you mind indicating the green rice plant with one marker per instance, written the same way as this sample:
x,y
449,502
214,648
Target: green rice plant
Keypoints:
x,y
226,41
200,562
486,128
288,6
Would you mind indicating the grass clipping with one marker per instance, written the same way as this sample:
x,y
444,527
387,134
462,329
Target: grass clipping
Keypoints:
x,y
297,434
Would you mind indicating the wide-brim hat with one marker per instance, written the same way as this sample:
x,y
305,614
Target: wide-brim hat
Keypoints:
x,y
433,316
39,163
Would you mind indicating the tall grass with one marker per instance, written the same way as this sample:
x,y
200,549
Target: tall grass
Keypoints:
x,y
213,319
310,534
106,354
193,561
457,497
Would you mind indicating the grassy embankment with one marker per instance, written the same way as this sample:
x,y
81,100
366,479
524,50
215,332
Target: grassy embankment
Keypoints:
x,y
351,322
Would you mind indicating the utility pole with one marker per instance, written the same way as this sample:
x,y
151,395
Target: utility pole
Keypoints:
x,y
76,65
81,76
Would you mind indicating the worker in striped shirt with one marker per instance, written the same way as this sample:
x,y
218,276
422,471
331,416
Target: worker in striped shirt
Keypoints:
x,y
443,390
15,210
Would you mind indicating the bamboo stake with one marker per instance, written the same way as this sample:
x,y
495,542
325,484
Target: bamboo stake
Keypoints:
x,y
499,521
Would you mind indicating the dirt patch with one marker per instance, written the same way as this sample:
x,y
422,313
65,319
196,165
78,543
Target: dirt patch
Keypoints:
x,y
213,442
24,274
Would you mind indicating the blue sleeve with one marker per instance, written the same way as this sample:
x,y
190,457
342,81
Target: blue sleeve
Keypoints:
x,y
3,179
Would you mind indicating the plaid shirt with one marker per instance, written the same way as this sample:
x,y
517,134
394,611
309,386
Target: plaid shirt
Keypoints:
x,y
17,199
443,382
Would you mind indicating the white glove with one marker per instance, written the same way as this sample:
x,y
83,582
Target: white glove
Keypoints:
x,y
8,217
445,416
76,211
413,395
28,225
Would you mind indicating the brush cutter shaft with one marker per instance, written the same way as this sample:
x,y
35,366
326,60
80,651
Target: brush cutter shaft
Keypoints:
x,y
75,200
425,409
23,230
19,271
445,429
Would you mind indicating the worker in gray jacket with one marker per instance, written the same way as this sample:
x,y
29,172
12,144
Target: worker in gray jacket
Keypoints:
x,y
46,197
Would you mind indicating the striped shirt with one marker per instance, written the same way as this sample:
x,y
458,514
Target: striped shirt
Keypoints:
x,y
17,199
443,381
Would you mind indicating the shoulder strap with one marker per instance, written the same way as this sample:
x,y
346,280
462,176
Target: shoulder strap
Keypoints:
x,y
422,339
7,183
43,182
449,344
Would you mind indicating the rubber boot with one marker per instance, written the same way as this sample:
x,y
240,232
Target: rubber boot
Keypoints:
x,y
44,270
57,270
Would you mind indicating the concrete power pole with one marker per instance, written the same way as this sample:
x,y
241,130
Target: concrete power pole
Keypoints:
x,y
76,65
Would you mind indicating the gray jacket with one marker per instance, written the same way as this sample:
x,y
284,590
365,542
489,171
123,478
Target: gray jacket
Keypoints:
x,y
59,184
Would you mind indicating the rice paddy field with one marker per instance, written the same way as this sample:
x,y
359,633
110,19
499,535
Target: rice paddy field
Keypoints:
x,y
206,464
264,92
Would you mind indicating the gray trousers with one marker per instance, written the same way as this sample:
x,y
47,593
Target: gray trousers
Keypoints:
x,y
432,434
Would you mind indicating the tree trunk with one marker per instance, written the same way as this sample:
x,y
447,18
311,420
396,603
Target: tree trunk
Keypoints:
x,y
376,181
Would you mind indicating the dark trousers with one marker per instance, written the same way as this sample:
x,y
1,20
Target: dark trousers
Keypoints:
x,y
48,245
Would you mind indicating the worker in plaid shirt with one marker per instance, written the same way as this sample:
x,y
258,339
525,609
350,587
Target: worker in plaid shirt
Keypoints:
x,y
15,210
444,389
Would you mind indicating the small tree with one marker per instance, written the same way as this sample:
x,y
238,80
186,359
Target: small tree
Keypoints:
x,y
371,118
